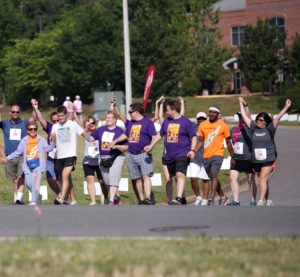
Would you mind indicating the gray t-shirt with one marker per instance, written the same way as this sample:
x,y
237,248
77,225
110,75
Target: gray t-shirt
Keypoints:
x,y
242,146
263,146
199,154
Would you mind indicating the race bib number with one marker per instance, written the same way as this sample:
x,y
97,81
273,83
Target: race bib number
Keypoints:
x,y
14,134
93,151
64,135
260,154
238,148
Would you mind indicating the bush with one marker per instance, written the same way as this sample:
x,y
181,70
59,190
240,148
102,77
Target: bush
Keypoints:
x,y
256,87
292,93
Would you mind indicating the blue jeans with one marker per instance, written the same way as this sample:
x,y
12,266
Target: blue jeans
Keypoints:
x,y
33,182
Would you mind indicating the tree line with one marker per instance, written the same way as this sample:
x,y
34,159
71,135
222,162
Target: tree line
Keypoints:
x,y
70,47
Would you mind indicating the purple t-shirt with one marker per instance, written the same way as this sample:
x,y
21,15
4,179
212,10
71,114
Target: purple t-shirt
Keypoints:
x,y
178,135
105,135
139,134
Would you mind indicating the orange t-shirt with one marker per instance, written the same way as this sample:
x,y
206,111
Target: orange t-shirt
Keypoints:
x,y
32,152
213,135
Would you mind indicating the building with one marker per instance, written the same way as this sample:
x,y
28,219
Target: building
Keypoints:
x,y
236,14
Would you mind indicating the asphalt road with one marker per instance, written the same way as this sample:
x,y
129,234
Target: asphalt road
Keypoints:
x,y
174,221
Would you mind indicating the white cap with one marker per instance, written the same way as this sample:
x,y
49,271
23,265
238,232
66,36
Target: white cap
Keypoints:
x,y
68,98
77,97
201,114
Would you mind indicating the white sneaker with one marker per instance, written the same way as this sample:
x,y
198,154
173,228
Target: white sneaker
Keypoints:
x,y
73,203
269,203
204,202
261,203
32,204
198,201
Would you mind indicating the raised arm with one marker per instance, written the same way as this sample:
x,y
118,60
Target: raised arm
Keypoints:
x,y
159,109
288,104
182,108
117,111
37,113
246,117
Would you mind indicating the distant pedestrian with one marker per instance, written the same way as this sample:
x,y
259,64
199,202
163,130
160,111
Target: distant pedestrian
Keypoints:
x,y
140,131
196,168
14,129
67,103
179,145
77,103
212,133
264,154
32,148
242,153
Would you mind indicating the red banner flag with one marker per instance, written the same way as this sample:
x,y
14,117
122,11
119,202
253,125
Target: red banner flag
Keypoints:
x,y
148,84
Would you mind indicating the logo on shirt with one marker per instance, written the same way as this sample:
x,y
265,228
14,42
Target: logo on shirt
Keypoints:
x,y
173,132
64,135
211,137
135,133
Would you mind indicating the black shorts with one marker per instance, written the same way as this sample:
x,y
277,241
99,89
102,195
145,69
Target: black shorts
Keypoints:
x,y
178,165
257,167
243,166
90,170
60,164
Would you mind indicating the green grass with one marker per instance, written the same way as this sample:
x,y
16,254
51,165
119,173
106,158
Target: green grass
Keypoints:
x,y
228,105
135,257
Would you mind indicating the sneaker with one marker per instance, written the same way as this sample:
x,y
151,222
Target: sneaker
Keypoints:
x,y
73,203
19,202
183,201
147,201
141,202
204,202
253,203
92,204
210,202
234,203
261,203
32,204
111,203
224,200
177,201
269,203
152,198
117,200
59,201
198,201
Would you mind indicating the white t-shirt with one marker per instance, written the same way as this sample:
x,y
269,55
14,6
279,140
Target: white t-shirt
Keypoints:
x,y
66,138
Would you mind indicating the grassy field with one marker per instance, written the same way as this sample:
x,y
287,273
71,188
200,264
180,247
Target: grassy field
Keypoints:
x,y
134,257
228,105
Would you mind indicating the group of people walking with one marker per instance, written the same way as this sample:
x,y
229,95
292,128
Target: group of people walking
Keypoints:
x,y
190,150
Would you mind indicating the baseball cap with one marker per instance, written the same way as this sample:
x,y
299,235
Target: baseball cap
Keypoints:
x,y
201,114
68,98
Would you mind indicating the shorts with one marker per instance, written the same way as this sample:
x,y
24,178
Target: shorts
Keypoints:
x,y
243,166
112,175
90,170
60,164
213,165
50,169
256,168
13,168
178,165
139,165
196,171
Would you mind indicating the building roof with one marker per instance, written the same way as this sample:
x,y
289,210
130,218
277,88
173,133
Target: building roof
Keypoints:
x,y
230,5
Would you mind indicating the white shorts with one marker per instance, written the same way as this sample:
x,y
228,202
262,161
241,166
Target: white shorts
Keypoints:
x,y
196,171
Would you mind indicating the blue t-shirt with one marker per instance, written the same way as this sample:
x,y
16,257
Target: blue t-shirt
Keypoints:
x,y
139,134
13,132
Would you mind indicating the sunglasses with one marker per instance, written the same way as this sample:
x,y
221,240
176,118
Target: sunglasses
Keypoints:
x,y
16,112
260,120
55,121
201,118
32,129
130,112
92,124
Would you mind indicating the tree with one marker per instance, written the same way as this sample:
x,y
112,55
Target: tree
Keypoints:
x,y
204,57
294,57
157,34
258,58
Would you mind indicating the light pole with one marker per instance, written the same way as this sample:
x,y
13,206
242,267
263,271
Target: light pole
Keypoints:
x,y
128,88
